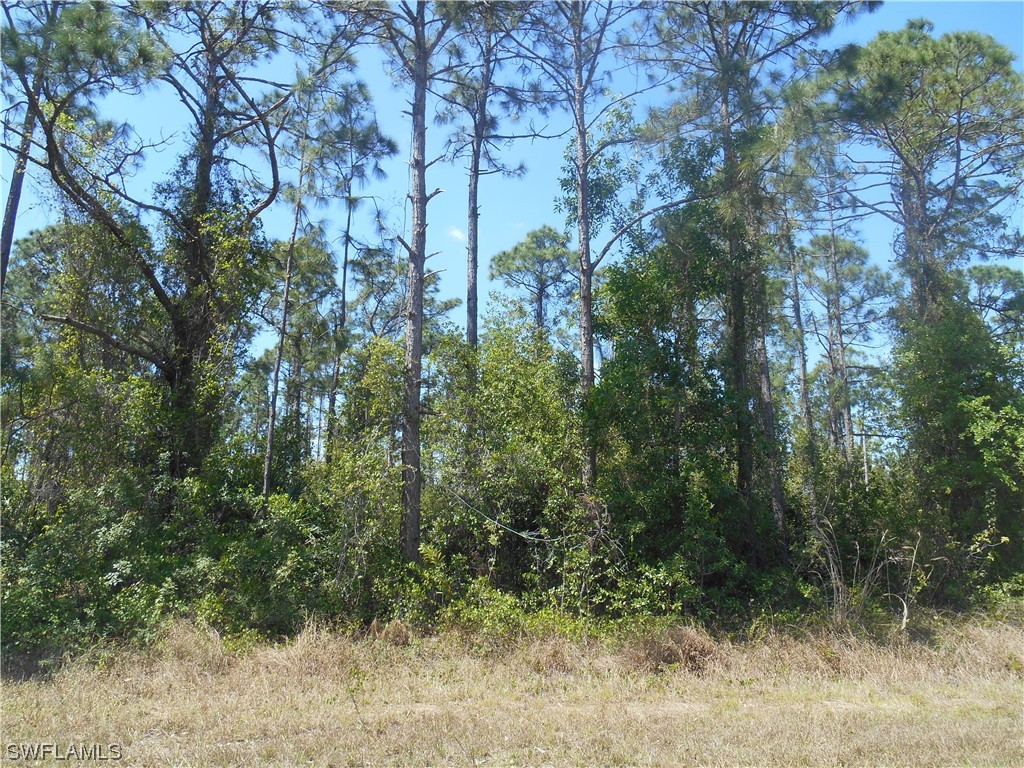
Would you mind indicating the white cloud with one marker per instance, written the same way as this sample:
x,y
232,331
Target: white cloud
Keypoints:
x,y
457,234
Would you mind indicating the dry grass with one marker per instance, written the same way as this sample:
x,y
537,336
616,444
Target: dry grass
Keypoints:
x,y
691,648
674,698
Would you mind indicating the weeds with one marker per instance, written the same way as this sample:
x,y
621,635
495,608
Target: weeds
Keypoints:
x,y
677,647
662,696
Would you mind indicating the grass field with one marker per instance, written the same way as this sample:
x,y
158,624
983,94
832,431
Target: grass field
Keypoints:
x,y
672,698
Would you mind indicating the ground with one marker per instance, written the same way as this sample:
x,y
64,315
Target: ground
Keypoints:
x,y
672,698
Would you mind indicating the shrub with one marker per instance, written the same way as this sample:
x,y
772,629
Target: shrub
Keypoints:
x,y
688,648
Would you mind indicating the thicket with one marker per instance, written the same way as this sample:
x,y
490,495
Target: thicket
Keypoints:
x,y
737,449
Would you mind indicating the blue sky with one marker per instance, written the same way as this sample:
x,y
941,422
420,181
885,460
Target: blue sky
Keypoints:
x,y
512,207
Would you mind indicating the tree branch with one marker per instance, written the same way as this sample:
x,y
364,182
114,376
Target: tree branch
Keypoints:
x,y
640,217
108,339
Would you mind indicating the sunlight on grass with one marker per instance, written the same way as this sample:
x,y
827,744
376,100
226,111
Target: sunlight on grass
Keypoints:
x,y
329,699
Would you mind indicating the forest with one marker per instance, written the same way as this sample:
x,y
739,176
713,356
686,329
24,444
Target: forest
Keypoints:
x,y
236,389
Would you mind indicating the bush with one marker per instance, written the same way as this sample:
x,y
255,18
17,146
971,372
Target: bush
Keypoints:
x,y
688,648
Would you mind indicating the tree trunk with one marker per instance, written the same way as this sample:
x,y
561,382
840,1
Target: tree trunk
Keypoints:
x,y
836,320
331,430
915,257
835,421
339,328
268,453
411,476
194,328
739,388
589,467
538,309
767,413
282,335
473,221
472,242
589,464
28,126
810,450
737,376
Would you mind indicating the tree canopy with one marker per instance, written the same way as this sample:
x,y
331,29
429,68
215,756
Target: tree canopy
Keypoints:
x,y
236,385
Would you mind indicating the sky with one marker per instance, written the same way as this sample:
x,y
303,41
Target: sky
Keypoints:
x,y
510,207
513,207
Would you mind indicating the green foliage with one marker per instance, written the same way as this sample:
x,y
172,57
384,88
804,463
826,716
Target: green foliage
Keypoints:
x,y
133,421
88,567
540,266
272,576
997,294
493,616
84,49
916,97
505,450
494,619
661,412
961,414
360,488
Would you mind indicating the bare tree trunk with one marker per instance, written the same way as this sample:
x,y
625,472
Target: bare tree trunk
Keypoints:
x,y
411,475
28,127
268,455
810,451
14,193
589,464
589,468
767,409
473,221
340,324
472,247
836,319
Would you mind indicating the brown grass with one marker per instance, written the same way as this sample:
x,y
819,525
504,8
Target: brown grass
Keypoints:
x,y
686,647
676,697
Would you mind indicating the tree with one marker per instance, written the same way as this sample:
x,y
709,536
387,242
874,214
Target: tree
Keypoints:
x,y
953,382
300,189
948,113
725,53
355,150
997,294
413,34
79,52
48,13
662,409
572,43
62,383
334,146
853,297
810,439
472,86
206,271
306,304
378,307
539,266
